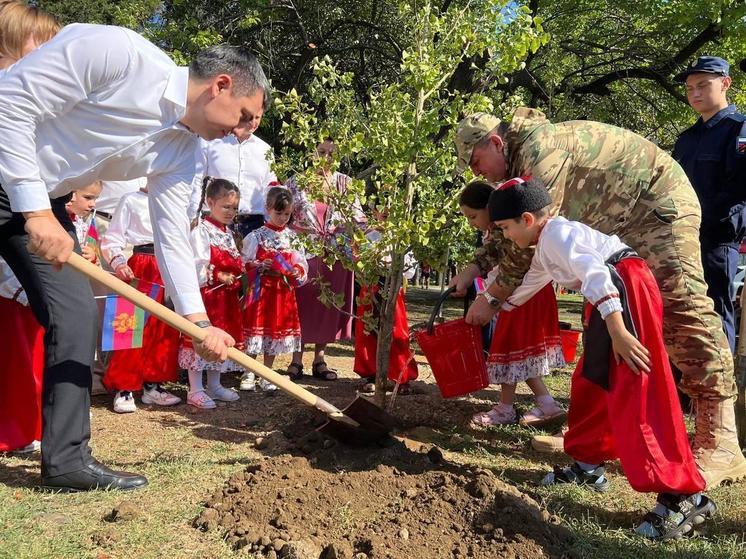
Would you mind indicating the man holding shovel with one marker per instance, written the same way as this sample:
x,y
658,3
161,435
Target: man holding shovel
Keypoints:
x,y
100,102
621,184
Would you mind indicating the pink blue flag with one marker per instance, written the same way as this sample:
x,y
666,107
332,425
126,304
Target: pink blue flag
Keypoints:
x,y
480,285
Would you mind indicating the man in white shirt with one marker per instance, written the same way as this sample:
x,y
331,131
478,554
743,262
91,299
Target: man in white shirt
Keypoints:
x,y
244,159
113,192
99,102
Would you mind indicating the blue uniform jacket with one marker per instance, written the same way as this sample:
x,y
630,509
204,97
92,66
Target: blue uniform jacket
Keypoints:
x,y
713,155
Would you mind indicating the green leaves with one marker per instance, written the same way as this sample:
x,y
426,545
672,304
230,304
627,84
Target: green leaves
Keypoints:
x,y
395,132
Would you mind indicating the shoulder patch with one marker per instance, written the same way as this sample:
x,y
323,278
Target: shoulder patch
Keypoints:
x,y
741,144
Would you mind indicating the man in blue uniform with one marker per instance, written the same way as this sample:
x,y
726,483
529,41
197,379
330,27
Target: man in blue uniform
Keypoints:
x,y
713,154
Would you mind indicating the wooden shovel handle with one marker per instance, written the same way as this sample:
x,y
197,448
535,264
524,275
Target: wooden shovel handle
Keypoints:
x,y
195,332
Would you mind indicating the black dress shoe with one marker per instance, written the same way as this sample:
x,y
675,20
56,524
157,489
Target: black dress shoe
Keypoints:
x,y
94,476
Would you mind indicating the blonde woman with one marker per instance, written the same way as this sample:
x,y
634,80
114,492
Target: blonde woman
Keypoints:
x,y
22,29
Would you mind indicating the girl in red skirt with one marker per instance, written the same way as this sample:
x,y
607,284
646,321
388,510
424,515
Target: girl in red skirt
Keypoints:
x,y
154,363
22,348
623,400
526,344
219,268
402,366
277,267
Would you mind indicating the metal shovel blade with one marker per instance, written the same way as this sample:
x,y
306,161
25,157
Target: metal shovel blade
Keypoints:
x,y
375,424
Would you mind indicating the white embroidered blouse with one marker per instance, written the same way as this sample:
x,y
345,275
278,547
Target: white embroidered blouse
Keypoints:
x,y
573,255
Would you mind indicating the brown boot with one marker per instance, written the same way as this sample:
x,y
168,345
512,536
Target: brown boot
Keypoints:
x,y
549,443
715,445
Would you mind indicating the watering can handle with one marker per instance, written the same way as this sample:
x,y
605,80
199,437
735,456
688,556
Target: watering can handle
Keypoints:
x,y
436,309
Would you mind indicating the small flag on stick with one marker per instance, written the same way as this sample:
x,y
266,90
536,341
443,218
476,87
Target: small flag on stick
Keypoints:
x,y
92,237
480,285
124,322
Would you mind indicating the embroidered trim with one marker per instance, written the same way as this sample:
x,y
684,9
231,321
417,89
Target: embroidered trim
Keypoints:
x,y
189,360
222,239
606,298
525,364
270,345
278,241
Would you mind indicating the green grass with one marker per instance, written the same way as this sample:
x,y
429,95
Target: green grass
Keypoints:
x,y
185,465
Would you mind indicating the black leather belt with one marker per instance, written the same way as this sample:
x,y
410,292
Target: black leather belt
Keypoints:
x,y
144,249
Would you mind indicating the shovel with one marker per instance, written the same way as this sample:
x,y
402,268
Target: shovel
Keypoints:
x,y
360,423
740,373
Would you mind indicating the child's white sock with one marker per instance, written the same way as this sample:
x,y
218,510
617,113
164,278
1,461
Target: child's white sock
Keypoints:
x,y
195,381
213,380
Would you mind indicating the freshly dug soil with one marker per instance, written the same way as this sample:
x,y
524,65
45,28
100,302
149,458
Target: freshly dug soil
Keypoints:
x,y
399,501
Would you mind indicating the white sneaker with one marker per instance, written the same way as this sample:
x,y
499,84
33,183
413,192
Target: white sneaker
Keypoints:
x,y
33,446
267,387
223,394
248,382
201,400
124,402
159,397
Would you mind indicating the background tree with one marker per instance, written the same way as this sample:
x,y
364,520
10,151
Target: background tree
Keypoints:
x,y
396,127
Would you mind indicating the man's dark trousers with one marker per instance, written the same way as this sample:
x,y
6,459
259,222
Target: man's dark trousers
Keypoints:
x,y
720,263
63,303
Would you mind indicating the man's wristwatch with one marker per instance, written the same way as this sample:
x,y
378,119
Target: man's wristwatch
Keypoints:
x,y
493,301
203,323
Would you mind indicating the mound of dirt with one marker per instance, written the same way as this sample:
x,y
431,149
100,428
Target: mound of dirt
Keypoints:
x,y
396,502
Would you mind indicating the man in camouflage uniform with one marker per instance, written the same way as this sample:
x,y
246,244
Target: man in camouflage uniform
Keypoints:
x,y
621,184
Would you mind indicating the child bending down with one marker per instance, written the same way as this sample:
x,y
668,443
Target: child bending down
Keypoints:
x,y
623,401
526,344
271,323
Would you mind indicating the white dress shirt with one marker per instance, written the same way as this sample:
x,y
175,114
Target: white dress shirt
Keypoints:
x,y
130,225
573,255
246,164
112,191
101,102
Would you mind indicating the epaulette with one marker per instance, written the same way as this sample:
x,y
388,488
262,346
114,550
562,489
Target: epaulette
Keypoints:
x,y
738,117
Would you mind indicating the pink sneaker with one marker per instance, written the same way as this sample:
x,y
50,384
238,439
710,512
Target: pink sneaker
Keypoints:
x,y
201,400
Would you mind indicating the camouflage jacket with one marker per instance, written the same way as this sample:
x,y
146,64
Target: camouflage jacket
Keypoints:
x,y
491,252
595,174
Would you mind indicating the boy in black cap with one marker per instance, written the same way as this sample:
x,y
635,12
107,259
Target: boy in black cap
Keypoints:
x,y
623,401
713,155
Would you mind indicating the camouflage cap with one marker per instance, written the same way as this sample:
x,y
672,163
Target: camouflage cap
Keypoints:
x,y
468,133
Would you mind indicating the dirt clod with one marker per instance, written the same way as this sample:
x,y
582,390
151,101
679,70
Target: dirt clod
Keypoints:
x,y
123,512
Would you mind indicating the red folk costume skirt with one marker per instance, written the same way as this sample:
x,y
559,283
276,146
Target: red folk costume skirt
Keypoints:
x,y
223,306
526,342
22,348
402,366
639,419
223,302
271,322
155,361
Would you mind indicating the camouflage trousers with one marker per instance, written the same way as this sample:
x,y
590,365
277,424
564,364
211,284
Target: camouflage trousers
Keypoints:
x,y
663,228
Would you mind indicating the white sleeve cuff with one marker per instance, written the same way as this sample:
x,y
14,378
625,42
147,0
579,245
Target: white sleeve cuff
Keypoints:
x,y
609,306
28,197
507,306
188,303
